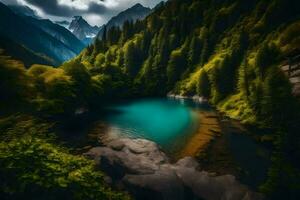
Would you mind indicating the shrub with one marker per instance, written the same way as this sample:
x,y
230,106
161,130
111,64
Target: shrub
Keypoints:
x,y
176,66
15,85
32,167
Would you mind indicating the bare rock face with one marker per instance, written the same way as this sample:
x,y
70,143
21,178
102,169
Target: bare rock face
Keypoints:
x,y
146,172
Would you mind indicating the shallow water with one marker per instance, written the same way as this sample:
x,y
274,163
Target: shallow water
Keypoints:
x,y
167,122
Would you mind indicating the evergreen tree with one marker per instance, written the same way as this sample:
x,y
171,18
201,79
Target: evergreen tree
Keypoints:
x,y
176,65
203,85
104,34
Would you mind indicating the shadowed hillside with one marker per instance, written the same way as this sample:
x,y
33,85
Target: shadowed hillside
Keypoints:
x,y
230,52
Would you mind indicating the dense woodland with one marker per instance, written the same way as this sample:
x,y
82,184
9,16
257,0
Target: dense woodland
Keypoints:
x,y
228,51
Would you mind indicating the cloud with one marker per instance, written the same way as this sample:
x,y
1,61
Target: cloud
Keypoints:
x,y
95,8
68,8
96,12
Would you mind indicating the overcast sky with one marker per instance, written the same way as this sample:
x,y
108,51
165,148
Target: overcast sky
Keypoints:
x,y
96,12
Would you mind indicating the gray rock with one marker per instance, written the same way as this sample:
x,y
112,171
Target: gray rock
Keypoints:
x,y
146,172
163,182
135,156
187,162
211,187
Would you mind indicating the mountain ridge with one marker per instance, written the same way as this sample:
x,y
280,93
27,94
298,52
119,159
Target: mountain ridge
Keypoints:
x,y
23,10
82,29
32,33
136,12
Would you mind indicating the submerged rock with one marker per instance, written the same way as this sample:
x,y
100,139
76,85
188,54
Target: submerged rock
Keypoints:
x,y
146,172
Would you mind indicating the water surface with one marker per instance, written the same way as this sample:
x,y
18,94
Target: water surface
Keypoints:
x,y
171,124
167,122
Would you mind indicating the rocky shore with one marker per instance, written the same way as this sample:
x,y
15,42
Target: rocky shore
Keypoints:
x,y
140,167
195,98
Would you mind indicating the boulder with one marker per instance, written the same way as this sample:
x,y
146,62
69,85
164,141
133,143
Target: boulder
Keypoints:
x,y
164,183
147,173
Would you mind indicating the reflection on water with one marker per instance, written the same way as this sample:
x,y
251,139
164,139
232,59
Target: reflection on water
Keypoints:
x,y
252,158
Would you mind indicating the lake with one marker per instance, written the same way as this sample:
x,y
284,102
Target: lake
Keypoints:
x,y
172,124
168,122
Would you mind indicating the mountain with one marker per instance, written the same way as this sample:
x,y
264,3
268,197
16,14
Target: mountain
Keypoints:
x,y
58,32
241,56
19,52
83,30
159,6
63,23
136,12
23,10
41,37
54,29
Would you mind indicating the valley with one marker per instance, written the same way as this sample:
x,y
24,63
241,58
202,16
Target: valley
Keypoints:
x,y
180,99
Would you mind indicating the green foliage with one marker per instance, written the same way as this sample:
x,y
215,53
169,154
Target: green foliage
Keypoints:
x,y
266,56
100,59
132,58
113,35
15,86
224,77
277,103
283,177
32,166
289,39
176,66
81,79
203,86
229,51
194,51
54,89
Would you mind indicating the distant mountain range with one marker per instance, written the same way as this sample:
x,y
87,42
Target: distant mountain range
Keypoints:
x,y
27,37
86,33
22,35
83,30
136,12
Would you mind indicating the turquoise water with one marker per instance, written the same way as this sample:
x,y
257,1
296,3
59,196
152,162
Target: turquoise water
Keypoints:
x,y
167,122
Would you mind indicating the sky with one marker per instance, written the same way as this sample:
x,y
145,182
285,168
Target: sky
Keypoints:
x,y
96,12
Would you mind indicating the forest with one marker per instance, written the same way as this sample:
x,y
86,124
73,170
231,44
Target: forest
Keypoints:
x,y
229,52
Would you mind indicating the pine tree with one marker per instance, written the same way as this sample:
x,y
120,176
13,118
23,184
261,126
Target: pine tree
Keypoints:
x,y
104,34
203,85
